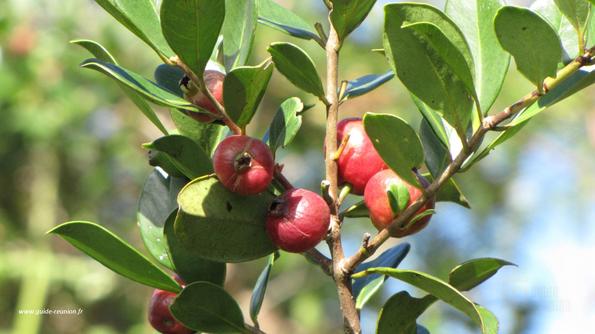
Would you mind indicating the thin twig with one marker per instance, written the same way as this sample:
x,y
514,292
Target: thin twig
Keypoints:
x,y
488,124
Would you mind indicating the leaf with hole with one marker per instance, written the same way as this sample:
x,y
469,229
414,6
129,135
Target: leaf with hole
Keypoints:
x,y
183,153
531,40
297,66
278,17
397,144
475,19
285,124
187,265
219,225
140,17
260,288
243,90
191,27
206,307
241,17
114,253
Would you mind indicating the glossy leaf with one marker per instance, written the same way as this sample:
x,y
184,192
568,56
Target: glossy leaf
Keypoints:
x,y
102,54
297,66
191,27
397,144
531,40
243,90
206,135
357,210
449,192
169,77
400,312
278,17
437,288
188,158
285,124
157,201
147,88
187,265
219,225
114,253
437,156
434,120
241,17
567,34
140,17
430,64
398,197
366,84
364,288
472,273
348,15
206,307
260,288
576,11
96,49
475,18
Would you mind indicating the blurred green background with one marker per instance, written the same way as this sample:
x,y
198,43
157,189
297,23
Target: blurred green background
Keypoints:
x,y
70,149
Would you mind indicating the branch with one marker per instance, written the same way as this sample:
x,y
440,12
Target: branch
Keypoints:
x,y
351,321
316,257
488,124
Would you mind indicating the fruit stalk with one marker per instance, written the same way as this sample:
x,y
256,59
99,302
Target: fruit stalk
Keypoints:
x,y
342,277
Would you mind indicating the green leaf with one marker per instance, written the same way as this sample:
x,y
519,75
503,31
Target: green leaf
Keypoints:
x,y
434,62
114,253
400,312
145,87
434,120
475,18
357,210
285,124
188,158
157,201
260,288
437,288
348,15
531,40
567,34
437,156
366,84
241,17
206,307
190,267
278,17
169,77
449,192
206,135
102,54
576,11
219,225
364,288
397,143
297,66
472,273
243,90
140,17
191,27
96,49
398,197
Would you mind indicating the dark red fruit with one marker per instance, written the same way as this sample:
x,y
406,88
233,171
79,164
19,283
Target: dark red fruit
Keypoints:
x,y
359,160
244,165
214,81
160,316
381,213
298,220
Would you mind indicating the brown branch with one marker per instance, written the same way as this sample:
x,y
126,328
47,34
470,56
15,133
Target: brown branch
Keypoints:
x,y
342,278
488,124
313,255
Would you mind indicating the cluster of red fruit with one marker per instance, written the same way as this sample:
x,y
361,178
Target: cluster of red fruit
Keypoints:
x,y
298,219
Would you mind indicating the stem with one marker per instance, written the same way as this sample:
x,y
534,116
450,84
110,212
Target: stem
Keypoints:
x,y
488,124
341,276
